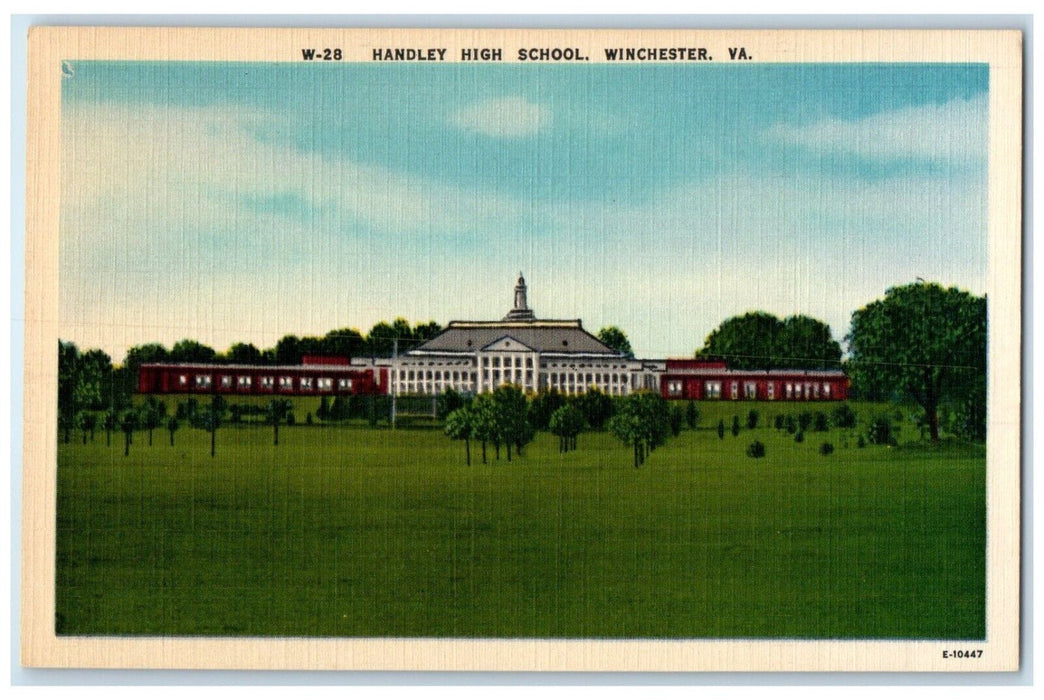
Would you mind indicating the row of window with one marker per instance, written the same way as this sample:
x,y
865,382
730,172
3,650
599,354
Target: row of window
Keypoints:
x,y
791,390
244,382
508,361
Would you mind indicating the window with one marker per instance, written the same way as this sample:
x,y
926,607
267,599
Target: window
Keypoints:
x,y
183,380
286,383
324,383
772,390
734,390
203,381
826,390
712,390
306,383
674,387
243,381
529,362
750,390
267,382
345,384
226,381
790,390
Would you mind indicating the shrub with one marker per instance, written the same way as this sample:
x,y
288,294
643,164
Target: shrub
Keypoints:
x,y
790,424
308,418
861,442
804,420
735,426
881,431
779,422
756,450
290,418
752,419
799,437
677,419
819,422
692,415
721,429
843,416
826,448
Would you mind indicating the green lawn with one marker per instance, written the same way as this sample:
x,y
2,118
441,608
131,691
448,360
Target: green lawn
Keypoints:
x,y
348,531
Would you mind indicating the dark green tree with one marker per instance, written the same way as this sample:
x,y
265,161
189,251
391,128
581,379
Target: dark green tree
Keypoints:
x,y
512,417
460,426
344,342
172,427
542,406
244,354
567,422
721,428
128,424
759,340
110,421
617,340
86,421
188,350
735,426
923,341
596,406
276,412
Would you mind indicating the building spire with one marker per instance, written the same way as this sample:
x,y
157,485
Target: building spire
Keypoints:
x,y
520,311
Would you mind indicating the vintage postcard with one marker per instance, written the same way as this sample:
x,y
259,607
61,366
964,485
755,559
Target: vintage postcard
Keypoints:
x,y
649,350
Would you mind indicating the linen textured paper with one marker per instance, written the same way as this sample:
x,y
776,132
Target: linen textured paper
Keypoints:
x,y
522,349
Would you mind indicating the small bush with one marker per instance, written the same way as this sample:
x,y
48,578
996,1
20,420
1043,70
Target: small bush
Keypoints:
x,y
819,422
804,420
721,429
790,424
843,416
756,450
881,431
735,426
752,419
861,442
826,448
799,437
308,419
290,418
778,423
692,415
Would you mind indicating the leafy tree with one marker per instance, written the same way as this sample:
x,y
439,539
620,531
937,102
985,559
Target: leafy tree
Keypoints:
x,y
288,350
244,354
447,402
128,424
543,406
110,422
152,413
344,342
172,427
756,449
81,379
643,421
923,341
759,340
617,340
459,426
484,423
512,418
277,412
188,350
596,406
86,421
567,422
819,422
692,415
423,332
804,420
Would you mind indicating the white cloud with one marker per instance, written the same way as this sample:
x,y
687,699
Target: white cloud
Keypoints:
x,y
507,117
952,132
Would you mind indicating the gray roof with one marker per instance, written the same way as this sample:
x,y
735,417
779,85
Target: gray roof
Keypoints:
x,y
542,336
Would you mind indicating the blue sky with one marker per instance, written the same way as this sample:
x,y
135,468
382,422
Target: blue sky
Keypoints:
x,y
239,201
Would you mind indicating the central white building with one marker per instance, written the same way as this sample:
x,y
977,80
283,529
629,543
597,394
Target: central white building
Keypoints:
x,y
478,356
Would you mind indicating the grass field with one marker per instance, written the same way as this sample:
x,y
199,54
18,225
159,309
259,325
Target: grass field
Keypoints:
x,y
350,531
